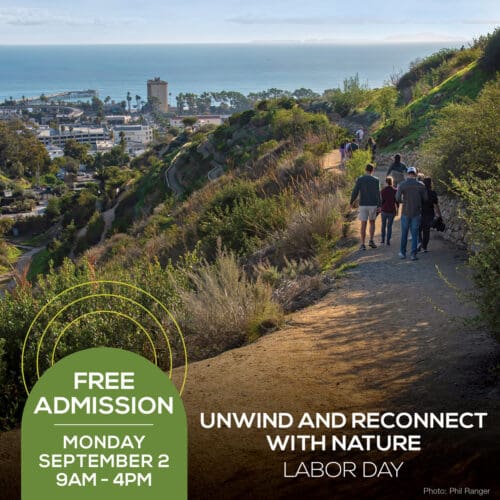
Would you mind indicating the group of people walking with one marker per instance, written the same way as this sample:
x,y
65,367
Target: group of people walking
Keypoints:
x,y
419,203
347,148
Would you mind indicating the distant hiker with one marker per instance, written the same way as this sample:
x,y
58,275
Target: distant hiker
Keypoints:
x,y
412,194
342,153
360,133
397,169
389,210
371,146
350,147
368,188
430,208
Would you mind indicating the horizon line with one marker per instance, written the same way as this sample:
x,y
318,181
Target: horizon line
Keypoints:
x,y
252,42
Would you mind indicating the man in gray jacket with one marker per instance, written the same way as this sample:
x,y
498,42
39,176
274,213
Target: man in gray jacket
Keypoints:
x,y
411,193
368,188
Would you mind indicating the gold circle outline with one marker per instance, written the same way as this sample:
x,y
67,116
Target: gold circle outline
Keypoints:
x,y
98,282
104,311
67,306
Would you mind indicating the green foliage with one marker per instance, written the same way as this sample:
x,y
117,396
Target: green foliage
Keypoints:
x,y
53,209
21,153
297,124
482,217
356,165
76,150
385,102
92,235
239,219
78,207
349,98
67,163
421,67
490,60
464,139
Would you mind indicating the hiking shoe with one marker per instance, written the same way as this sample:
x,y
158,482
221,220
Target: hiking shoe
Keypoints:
x,y
419,247
371,244
362,247
382,241
388,243
402,255
414,256
426,251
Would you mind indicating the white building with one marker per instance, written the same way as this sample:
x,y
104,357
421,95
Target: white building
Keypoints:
x,y
54,151
8,113
118,119
83,135
201,120
136,136
104,146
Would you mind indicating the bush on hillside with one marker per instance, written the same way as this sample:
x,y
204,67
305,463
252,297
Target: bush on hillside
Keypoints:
x,y
482,217
490,60
319,217
464,139
420,67
222,308
356,165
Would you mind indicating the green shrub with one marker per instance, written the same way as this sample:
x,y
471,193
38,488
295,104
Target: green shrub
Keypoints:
x,y
490,60
356,165
464,139
240,222
482,218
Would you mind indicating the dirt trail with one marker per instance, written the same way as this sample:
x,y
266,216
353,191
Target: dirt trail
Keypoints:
x,y
390,337
7,280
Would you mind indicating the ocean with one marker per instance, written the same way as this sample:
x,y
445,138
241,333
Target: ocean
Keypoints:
x,y
113,70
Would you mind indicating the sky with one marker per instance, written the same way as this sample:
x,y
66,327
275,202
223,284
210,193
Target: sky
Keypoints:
x,y
243,21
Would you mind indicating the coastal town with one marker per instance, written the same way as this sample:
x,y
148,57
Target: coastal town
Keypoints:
x,y
99,125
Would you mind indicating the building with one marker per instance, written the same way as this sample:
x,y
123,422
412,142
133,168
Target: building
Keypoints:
x,y
83,135
137,137
54,151
118,119
201,120
10,113
159,89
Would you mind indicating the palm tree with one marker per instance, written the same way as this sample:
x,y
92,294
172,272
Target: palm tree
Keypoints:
x,y
129,98
138,101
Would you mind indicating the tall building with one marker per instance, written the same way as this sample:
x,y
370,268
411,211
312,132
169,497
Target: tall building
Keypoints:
x,y
159,89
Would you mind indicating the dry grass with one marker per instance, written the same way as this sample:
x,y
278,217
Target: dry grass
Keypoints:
x,y
320,216
224,308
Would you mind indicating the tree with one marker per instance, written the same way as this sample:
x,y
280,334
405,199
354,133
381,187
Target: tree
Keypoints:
x,y
67,163
74,149
385,102
123,140
138,101
189,121
129,99
304,93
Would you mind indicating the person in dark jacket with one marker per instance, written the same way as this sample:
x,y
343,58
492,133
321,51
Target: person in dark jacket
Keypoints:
x,y
368,188
389,210
397,170
430,209
412,194
371,146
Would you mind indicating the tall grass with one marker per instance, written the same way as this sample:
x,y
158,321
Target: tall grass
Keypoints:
x,y
223,308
